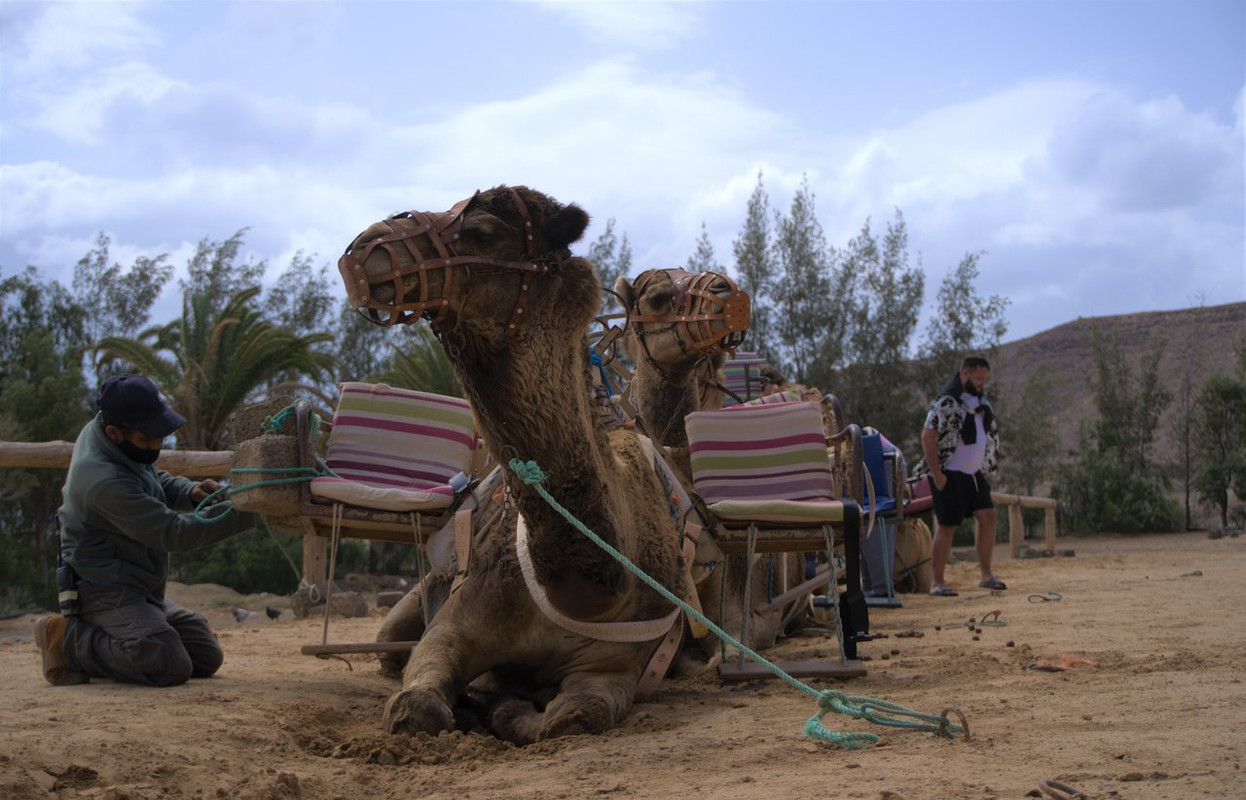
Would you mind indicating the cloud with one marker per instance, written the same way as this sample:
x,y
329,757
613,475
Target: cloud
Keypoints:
x,y
640,25
46,38
1067,184
77,113
1150,156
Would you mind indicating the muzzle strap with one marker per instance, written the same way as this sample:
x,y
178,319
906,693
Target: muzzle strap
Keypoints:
x,y
697,309
441,231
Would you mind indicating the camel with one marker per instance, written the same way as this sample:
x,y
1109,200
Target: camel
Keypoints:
x,y
714,318
677,372
543,612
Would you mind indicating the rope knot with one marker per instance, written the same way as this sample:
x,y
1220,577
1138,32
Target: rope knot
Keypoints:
x,y
528,471
832,700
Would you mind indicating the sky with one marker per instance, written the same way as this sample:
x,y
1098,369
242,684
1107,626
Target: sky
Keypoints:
x,y
1091,151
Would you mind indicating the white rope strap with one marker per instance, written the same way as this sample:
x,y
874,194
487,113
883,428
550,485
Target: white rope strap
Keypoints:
x,y
632,631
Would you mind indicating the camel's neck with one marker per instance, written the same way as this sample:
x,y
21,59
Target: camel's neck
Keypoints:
x,y
532,401
664,399
536,407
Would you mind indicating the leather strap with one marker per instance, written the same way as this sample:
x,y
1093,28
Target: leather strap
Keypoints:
x,y
660,661
441,230
692,534
694,306
462,546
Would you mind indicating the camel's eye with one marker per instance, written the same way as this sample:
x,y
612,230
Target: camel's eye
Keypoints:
x,y
660,301
485,230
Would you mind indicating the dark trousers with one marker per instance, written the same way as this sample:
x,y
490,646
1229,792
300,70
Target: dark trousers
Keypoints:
x,y
123,635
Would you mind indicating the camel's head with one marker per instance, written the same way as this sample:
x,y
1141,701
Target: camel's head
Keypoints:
x,y
488,260
678,317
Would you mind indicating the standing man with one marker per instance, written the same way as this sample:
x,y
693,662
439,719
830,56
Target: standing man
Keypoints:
x,y
120,520
960,443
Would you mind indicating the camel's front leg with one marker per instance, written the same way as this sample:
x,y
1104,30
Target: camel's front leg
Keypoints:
x,y
442,664
405,621
587,702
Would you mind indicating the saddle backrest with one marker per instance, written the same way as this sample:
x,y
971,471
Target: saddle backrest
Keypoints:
x,y
388,437
763,452
875,461
742,377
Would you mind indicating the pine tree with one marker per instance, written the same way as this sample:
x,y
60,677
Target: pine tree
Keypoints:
x,y
882,309
754,266
810,332
613,258
963,323
703,259
116,300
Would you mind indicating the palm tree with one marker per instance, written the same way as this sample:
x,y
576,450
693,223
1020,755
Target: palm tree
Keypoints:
x,y
211,362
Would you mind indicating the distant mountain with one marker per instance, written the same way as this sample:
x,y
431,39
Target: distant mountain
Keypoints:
x,y
1201,339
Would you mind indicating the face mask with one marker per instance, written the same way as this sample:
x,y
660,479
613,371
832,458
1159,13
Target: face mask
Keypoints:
x,y
140,454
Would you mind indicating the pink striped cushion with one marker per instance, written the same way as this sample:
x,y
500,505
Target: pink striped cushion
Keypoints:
x,y
741,376
760,453
396,449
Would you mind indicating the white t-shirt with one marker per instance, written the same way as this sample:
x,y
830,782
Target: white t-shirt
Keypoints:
x,y
968,457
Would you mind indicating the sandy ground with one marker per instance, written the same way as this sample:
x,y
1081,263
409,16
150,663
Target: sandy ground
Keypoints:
x,y
1152,715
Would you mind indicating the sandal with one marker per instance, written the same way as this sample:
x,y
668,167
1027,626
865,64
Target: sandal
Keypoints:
x,y
943,591
992,583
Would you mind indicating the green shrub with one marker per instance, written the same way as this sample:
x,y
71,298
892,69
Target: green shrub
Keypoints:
x,y
257,561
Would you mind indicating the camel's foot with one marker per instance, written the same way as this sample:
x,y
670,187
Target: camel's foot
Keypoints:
x,y
578,713
517,721
417,711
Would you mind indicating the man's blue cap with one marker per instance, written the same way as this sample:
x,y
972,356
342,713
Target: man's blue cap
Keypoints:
x,y
133,401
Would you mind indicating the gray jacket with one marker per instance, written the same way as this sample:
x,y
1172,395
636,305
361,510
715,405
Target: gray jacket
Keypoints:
x,y
120,519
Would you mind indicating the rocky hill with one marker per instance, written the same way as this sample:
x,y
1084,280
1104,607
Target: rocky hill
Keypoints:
x,y
1196,342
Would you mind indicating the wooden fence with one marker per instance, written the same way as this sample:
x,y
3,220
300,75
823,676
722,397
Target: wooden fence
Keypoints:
x,y
56,455
1016,526
216,464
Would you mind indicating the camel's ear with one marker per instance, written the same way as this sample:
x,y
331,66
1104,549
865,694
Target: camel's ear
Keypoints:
x,y
566,226
623,288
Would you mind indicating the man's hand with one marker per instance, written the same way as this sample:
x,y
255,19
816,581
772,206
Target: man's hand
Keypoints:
x,y
205,488
940,480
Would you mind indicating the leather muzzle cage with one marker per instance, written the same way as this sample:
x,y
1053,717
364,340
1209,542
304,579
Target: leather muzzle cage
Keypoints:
x,y
441,230
709,321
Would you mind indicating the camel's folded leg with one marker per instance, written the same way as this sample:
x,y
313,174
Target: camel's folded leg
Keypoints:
x,y
588,702
441,665
405,621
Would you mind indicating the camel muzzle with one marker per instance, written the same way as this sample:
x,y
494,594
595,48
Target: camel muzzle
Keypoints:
x,y
417,244
711,321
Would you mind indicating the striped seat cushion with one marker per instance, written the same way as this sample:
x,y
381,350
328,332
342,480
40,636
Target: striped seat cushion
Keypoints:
x,y
396,449
766,463
780,512
741,376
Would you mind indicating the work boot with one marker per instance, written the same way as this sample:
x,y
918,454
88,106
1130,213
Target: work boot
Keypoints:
x,y
50,636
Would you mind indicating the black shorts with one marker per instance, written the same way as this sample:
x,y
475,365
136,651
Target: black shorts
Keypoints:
x,y
962,495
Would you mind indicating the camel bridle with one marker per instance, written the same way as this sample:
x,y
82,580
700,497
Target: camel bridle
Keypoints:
x,y
695,309
441,229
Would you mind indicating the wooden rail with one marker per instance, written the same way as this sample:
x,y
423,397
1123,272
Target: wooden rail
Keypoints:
x,y
56,455
1016,526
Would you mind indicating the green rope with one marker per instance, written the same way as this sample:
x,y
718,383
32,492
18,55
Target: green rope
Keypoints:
x,y
228,505
273,423
828,700
298,574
